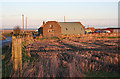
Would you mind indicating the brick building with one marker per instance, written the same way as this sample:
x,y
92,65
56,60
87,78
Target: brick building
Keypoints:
x,y
53,28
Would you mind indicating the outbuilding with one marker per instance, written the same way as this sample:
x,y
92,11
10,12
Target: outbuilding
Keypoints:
x,y
112,30
54,28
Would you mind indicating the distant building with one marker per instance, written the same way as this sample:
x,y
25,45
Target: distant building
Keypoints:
x,y
53,28
91,28
116,30
112,30
88,30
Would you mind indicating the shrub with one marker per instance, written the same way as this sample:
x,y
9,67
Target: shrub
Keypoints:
x,y
16,30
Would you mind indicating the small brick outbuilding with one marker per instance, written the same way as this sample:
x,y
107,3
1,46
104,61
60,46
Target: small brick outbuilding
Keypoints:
x,y
53,28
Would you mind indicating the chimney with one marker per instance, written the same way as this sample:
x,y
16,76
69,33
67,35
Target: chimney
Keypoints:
x,y
23,21
64,18
26,24
43,22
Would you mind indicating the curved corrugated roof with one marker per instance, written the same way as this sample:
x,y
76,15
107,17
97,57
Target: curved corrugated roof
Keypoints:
x,y
71,27
69,24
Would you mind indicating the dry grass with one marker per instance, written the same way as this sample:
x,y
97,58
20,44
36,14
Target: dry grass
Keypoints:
x,y
71,57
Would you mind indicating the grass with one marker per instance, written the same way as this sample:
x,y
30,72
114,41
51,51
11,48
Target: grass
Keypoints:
x,y
2,37
25,57
103,74
7,34
113,37
24,53
24,43
78,37
108,37
54,37
49,38
41,38
7,65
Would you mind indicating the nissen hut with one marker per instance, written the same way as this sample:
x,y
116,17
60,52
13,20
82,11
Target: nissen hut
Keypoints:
x,y
53,28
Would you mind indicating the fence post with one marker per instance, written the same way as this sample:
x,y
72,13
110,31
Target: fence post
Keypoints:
x,y
13,38
20,58
17,55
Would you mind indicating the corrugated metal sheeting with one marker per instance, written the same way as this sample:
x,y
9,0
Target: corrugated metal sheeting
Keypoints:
x,y
71,28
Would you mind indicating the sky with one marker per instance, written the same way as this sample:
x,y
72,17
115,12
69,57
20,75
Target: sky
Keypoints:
x,y
97,14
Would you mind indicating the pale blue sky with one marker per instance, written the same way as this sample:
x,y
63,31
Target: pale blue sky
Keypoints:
x,y
59,0
98,14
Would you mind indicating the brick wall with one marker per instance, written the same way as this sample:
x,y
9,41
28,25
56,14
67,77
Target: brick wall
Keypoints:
x,y
51,28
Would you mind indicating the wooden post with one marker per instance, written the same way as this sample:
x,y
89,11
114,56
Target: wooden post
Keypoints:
x,y
20,58
13,38
17,56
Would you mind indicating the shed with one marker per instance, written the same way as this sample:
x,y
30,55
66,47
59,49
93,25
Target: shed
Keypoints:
x,y
54,28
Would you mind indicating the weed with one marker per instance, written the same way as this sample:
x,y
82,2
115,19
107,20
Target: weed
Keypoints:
x,y
6,64
7,34
113,37
54,37
108,37
102,74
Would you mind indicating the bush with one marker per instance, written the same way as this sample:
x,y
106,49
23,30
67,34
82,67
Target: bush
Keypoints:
x,y
7,34
16,30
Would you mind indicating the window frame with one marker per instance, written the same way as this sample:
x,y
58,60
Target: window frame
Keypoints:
x,y
51,26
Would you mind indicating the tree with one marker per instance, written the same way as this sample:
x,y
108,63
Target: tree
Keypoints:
x,y
16,30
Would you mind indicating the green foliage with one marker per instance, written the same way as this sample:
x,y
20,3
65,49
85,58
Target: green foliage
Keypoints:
x,y
25,57
113,37
78,37
63,38
24,53
108,37
7,66
7,34
55,37
16,30
65,35
43,38
24,43
101,37
103,74
49,38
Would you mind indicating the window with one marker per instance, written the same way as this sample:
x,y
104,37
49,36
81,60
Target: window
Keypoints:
x,y
51,26
66,28
51,30
74,28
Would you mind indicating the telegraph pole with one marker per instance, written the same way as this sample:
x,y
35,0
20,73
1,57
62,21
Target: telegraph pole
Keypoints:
x,y
23,21
26,24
